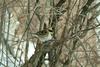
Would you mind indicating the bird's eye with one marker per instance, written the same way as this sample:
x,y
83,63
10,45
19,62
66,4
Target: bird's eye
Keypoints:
x,y
50,30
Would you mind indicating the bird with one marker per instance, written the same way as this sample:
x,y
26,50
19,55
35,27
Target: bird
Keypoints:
x,y
44,35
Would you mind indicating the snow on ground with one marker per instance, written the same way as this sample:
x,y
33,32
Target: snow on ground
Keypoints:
x,y
21,53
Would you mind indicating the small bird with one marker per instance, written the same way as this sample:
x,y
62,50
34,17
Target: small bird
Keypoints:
x,y
45,35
